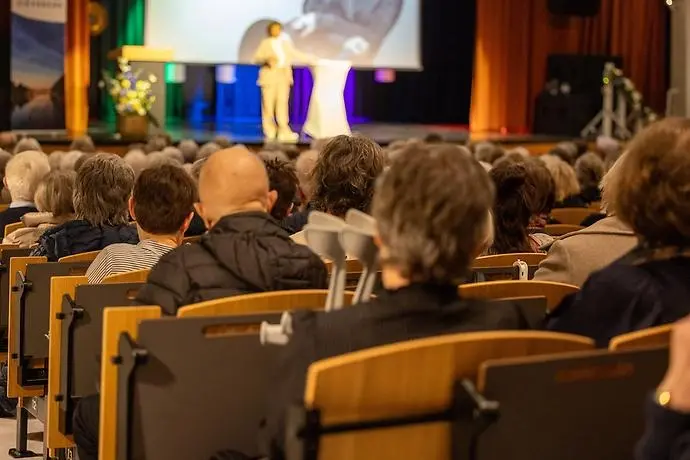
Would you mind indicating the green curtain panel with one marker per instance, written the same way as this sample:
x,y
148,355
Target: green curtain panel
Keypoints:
x,y
125,27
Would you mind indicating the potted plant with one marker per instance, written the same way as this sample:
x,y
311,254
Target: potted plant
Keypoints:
x,y
133,98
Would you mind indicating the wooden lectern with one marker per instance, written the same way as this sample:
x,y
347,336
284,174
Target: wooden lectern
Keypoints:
x,y
151,61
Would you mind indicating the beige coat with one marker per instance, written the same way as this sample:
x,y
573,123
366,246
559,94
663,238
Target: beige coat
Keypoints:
x,y
573,257
37,223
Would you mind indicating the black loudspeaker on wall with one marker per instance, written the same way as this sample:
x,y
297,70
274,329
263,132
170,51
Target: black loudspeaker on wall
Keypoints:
x,y
575,7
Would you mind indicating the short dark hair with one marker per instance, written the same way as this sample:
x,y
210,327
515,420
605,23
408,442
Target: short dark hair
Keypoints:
x,y
283,179
271,25
345,174
164,196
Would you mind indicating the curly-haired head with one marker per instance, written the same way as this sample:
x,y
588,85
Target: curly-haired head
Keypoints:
x,y
432,208
652,194
345,175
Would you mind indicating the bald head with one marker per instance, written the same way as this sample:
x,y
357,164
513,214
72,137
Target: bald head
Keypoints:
x,y
233,180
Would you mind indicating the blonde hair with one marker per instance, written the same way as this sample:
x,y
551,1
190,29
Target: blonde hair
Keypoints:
x,y
24,172
563,175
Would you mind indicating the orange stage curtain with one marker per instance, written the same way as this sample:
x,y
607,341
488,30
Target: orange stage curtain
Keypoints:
x,y
514,39
77,67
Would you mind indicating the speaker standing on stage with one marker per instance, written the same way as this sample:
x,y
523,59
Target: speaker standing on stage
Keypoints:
x,y
276,54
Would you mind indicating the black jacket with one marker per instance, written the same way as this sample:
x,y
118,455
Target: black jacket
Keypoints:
x,y
626,296
413,312
78,236
13,215
667,435
197,227
243,253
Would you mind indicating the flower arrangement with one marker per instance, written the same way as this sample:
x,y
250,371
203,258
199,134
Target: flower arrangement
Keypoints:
x,y
131,94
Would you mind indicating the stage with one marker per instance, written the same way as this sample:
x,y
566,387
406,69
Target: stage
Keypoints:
x,y
249,134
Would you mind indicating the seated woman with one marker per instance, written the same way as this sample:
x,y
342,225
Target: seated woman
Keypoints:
x,y
432,208
648,286
101,193
567,187
162,205
53,200
589,169
513,210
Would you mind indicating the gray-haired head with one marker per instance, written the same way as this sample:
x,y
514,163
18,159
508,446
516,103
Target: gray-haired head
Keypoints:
x,y
488,152
55,159
304,165
174,154
27,144
222,141
157,143
207,150
24,172
189,150
84,144
69,160
137,160
102,189
589,169
155,159
432,209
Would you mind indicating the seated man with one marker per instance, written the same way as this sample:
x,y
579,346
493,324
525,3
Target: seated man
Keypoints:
x,y
433,213
22,175
162,205
245,250
283,180
101,193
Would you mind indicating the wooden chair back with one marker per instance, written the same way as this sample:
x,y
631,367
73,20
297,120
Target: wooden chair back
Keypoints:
x,y
410,378
60,286
116,321
265,302
554,292
501,267
7,251
595,206
556,230
659,336
9,228
83,257
571,216
76,333
137,276
354,271
195,362
579,385
4,207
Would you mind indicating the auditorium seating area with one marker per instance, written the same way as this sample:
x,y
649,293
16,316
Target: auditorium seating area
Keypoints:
x,y
420,301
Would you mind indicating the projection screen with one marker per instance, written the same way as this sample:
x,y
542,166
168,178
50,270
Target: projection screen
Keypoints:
x,y
370,33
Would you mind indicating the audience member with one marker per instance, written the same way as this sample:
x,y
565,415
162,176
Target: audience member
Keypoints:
x,y
83,144
162,205
82,159
137,160
668,408
157,143
27,144
22,175
7,140
101,193
273,154
245,250
53,199
589,169
512,209
542,204
197,227
344,176
304,166
432,209
488,152
189,150
434,138
649,286
566,151
173,154
69,160
55,158
565,179
282,182
573,257
222,141
207,150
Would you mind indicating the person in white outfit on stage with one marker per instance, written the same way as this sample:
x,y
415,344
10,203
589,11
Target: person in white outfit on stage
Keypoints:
x,y
276,55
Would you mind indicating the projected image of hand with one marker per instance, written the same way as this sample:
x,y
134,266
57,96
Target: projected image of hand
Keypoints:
x,y
355,46
305,24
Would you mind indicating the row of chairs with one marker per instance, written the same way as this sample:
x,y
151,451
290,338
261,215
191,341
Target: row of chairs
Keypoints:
x,y
76,333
